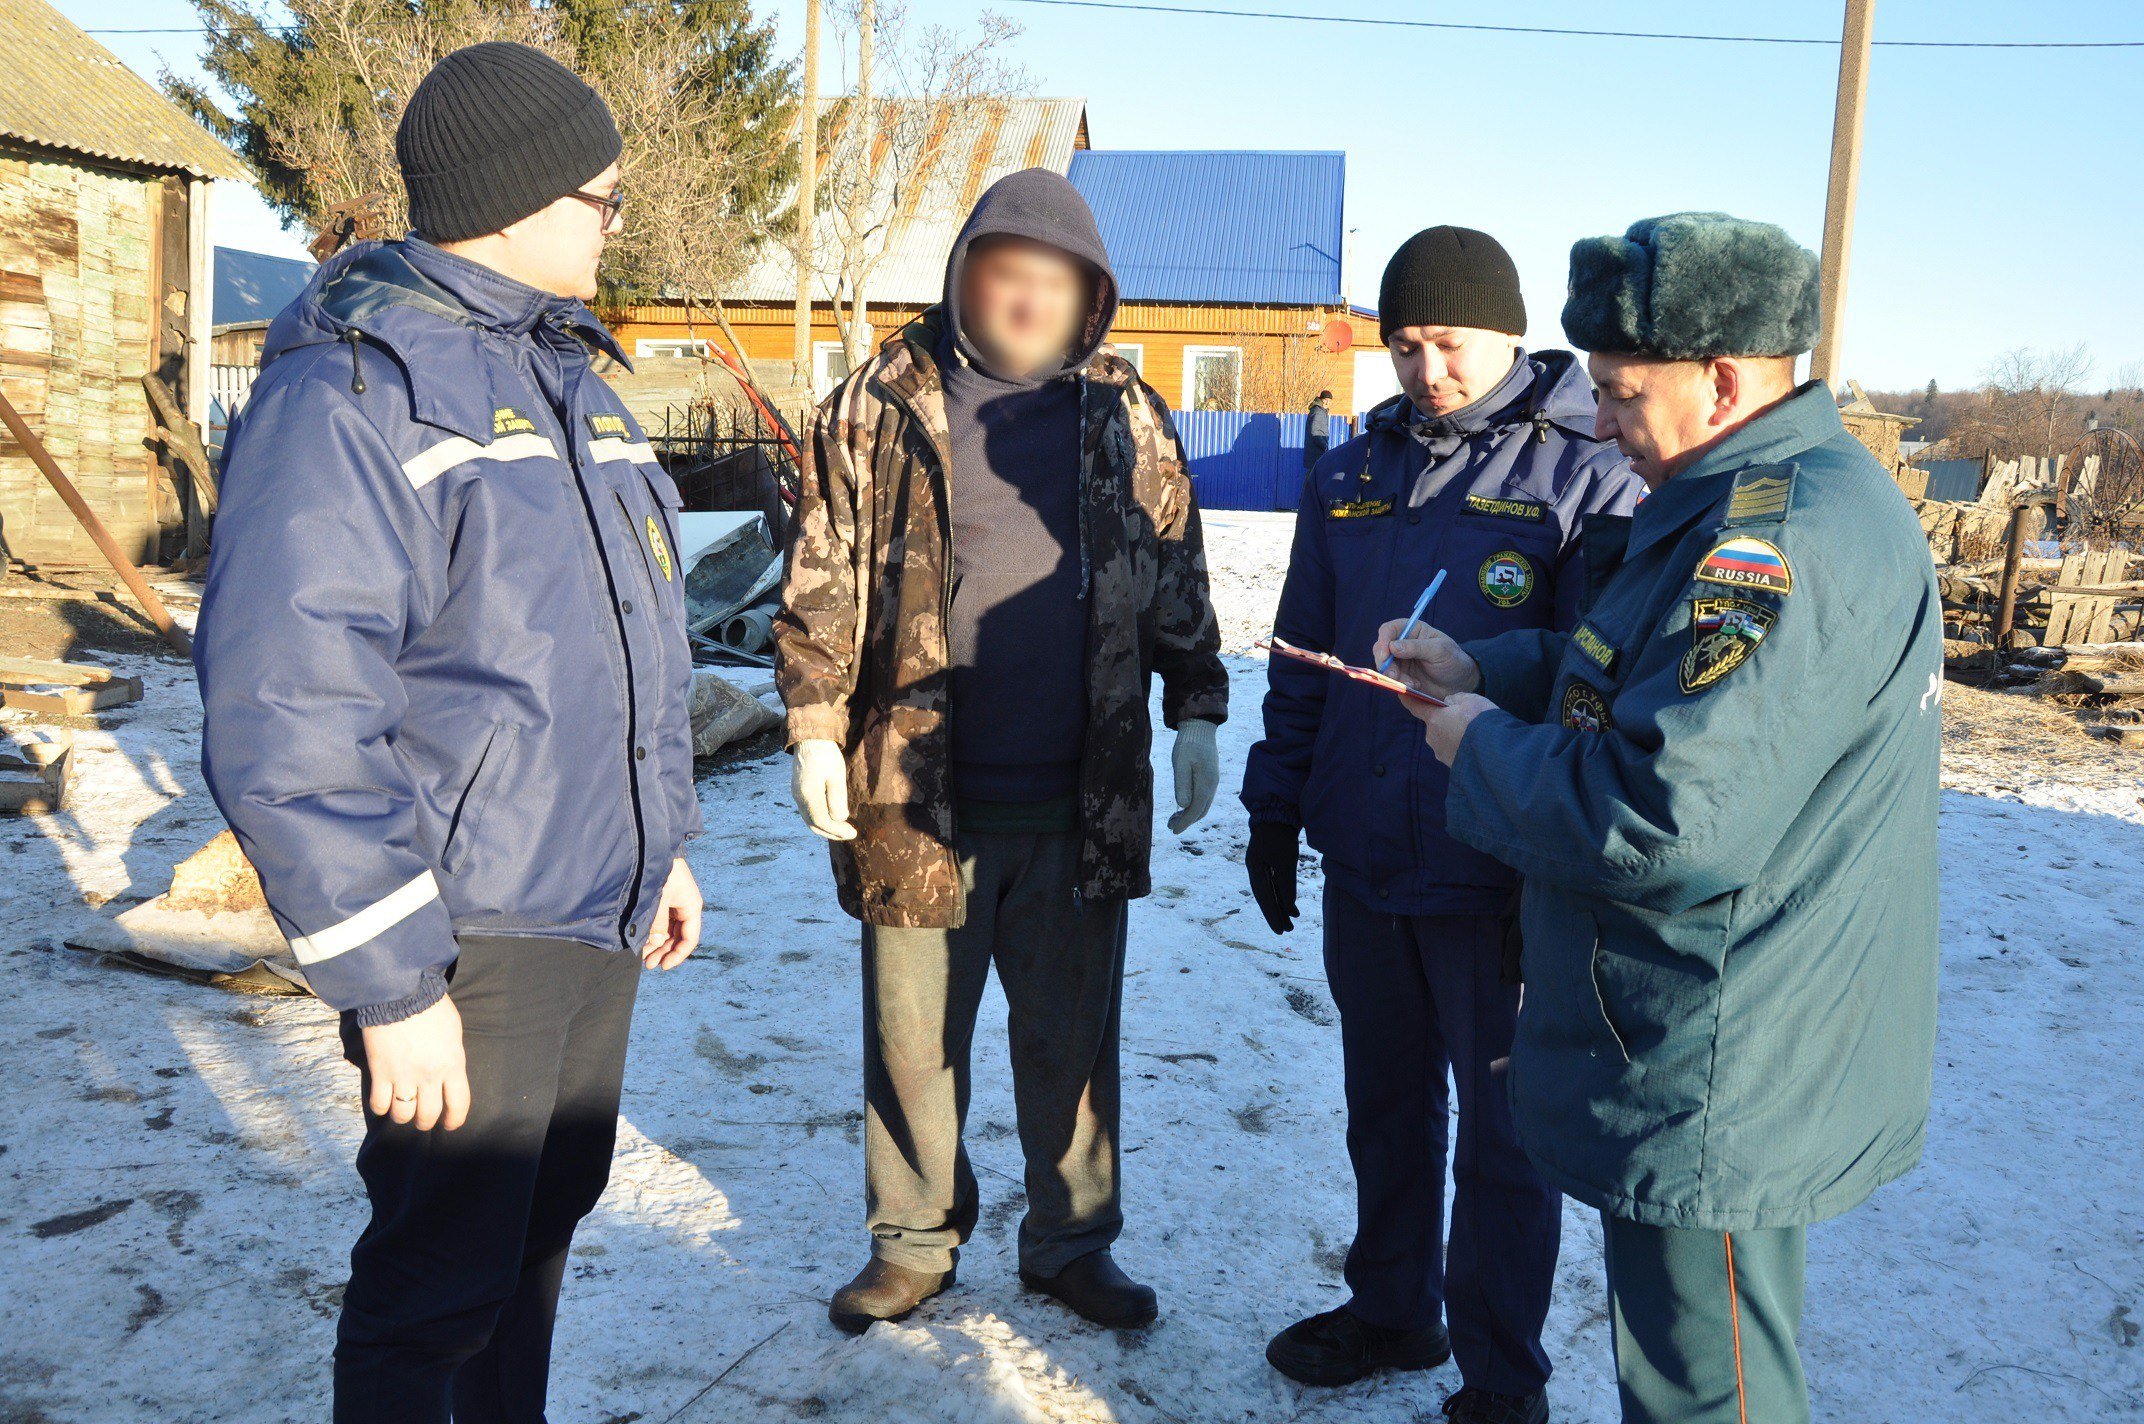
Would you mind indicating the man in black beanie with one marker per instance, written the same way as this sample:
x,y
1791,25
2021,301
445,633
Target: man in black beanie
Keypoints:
x,y
1483,470
443,659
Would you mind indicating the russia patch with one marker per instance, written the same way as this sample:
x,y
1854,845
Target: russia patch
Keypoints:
x,y
1723,633
1506,578
1748,563
1585,708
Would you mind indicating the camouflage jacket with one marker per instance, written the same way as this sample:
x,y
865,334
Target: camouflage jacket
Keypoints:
x,y
861,642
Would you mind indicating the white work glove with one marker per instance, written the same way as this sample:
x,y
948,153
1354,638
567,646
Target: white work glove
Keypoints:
x,y
819,781
1197,762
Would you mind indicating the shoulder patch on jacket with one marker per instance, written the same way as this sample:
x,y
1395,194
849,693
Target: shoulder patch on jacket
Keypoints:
x,y
603,423
1762,495
1723,634
1744,562
1585,708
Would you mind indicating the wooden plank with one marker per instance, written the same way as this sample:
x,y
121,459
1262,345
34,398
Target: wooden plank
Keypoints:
x,y
26,672
63,689
33,779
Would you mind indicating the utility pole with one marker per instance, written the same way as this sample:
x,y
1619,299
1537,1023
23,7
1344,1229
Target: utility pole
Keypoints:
x,y
1824,365
807,191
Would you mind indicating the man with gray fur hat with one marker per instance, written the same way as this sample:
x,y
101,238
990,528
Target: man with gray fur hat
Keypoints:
x,y
1720,787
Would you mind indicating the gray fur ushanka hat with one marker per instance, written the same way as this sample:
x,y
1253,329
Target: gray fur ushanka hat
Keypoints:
x,y
1692,286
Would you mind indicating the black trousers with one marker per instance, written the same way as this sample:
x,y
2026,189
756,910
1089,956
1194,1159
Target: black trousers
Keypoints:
x,y
454,1283
1420,996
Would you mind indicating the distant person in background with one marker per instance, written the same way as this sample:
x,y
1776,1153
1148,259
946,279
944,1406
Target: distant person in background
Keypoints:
x,y
997,553
1486,467
1318,429
444,669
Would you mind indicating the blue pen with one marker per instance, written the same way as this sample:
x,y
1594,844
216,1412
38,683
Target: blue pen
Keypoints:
x,y
1421,606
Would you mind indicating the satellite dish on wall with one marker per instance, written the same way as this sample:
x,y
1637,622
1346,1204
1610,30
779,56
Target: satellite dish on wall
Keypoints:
x,y
1336,337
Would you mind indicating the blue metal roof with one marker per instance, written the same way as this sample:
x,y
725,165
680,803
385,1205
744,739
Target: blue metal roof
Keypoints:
x,y
252,286
1220,227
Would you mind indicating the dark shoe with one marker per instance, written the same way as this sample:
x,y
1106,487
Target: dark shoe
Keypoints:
x,y
1098,1290
1340,1347
1478,1406
883,1291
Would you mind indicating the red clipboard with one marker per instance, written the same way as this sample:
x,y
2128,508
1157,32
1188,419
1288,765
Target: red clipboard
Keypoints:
x,y
1360,674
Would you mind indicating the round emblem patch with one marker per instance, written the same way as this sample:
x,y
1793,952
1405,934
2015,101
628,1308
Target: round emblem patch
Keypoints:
x,y
1506,579
1585,709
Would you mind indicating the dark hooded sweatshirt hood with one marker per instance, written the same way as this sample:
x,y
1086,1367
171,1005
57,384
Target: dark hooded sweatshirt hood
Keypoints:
x,y
1019,618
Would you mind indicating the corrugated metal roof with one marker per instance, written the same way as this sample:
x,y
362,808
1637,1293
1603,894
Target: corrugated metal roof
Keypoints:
x,y
66,91
1220,227
252,286
997,139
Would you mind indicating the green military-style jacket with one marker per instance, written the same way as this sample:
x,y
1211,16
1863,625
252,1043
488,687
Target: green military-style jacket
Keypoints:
x,y
1721,788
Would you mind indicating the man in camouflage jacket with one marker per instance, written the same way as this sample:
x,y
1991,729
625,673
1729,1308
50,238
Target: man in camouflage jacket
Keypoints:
x,y
990,563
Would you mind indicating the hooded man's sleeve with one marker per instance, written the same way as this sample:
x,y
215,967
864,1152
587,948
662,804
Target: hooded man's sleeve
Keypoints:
x,y
1187,634
816,629
1279,765
325,566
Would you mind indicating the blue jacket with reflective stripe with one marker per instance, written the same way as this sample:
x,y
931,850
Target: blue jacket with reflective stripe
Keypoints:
x,y
1494,494
442,650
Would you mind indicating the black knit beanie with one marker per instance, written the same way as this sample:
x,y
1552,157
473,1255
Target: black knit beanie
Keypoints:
x,y
1451,276
495,132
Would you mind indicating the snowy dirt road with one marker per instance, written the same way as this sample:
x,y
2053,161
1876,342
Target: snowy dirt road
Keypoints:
x,y
176,1194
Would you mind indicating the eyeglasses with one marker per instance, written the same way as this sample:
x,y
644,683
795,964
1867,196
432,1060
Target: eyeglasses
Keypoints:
x,y
611,205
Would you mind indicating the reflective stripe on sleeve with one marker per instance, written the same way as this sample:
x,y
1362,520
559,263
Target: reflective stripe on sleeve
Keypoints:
x,y
610,447
367,924
459,450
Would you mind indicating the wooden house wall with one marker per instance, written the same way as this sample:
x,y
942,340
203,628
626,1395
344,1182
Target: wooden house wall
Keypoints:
x,y
78,261
1163,332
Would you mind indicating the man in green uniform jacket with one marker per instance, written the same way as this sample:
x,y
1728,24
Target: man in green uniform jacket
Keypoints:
x,y
1721,789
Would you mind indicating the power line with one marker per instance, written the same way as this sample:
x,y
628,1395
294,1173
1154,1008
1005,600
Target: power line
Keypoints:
x,y
1367,20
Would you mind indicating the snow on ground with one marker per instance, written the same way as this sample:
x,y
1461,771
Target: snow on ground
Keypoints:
x,y
176,1194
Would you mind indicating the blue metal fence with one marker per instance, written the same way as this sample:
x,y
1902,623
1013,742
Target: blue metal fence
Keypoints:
x,y
1953,479
1242,460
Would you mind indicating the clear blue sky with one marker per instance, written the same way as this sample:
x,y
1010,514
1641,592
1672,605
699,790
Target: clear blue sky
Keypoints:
x,y
2002,193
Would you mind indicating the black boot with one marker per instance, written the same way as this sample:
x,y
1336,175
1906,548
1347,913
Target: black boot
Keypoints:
x,y
883,1291
1339,1347
1479,1406
1097,1288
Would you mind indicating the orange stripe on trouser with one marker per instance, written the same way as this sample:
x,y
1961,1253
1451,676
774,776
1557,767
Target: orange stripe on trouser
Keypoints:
x,y
1734,1314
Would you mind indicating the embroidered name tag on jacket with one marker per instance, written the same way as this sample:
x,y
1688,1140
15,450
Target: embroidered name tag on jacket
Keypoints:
x,y
508,421
1723,633
1532,511
602,423
1748,563
1594,646
1585,708
659,547
1358,508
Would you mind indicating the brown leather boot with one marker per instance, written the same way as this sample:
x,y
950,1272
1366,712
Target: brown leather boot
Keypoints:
x,y
883,1291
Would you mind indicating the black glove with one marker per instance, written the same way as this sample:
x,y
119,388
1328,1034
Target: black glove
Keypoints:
x,y
1271,861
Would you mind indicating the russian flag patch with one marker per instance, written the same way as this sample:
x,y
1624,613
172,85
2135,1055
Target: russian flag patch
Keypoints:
x,y
1748,563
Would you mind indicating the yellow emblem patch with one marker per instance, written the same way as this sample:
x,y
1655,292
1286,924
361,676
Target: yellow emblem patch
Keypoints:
x,y
660,549
505,420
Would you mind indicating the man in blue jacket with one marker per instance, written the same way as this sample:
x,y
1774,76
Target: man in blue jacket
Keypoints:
x,y
443,660
1721,789
1484,469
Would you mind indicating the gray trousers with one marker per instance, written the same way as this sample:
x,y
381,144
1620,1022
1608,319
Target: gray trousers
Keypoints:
x,y
1061,964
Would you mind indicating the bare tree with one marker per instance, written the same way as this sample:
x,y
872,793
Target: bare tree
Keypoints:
x,y
2027,405
922,96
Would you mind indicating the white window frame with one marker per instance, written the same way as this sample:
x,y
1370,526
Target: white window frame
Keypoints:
x,y
822,379
668,346
1134,352
1191,373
